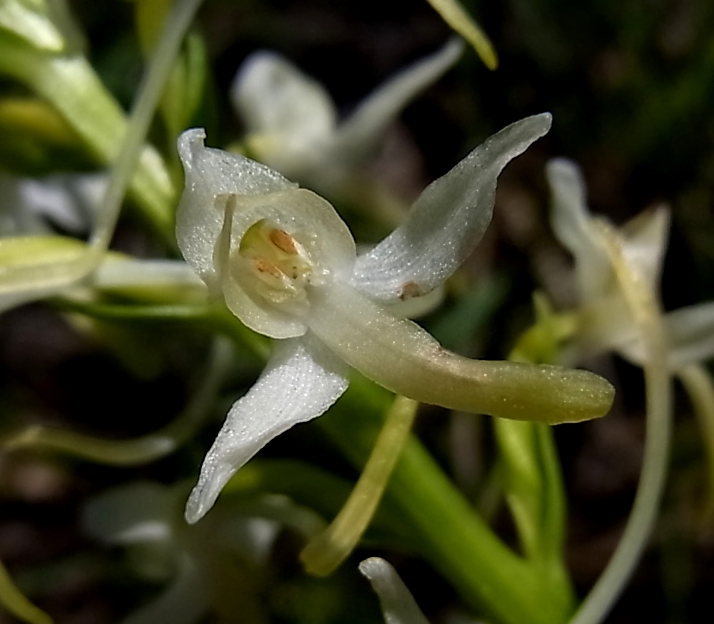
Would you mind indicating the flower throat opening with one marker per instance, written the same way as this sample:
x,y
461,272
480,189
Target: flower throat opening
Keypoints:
x,y
280,263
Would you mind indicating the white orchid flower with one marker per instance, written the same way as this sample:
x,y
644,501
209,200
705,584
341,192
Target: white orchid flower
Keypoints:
x,y
286,265
291,120
145,518
605,319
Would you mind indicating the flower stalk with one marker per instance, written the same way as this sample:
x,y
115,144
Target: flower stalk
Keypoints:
x,y
324,553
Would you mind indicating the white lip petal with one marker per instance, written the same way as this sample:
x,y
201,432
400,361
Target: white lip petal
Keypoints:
x,y
274,97
404,358
301,380
446,222
358,137
209,174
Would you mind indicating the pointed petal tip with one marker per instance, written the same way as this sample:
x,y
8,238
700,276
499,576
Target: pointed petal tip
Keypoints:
x,y
210,484
544,120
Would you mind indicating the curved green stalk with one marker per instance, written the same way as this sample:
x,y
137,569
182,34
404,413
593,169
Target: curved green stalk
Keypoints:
x,y
326,551
34,281
15,602
647,317
147,448
455,16
451,535
700,387
177,23
74,89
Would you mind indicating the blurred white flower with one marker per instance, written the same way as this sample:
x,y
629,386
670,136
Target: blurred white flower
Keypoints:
x,y
605,321
292,125
32,206
286,266
145,518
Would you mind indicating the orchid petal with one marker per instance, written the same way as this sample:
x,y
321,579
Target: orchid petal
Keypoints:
x,y
211,173
404,358
359,136
645,243
301,380
274,98
572,224
446,222
690,332
398,604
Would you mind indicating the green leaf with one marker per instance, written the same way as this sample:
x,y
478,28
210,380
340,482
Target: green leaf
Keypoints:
x,y
185,86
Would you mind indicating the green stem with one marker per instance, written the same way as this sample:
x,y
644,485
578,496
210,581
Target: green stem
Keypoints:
x,y
13,600
700,387
73,88
645,310
488,574
147,448
326,551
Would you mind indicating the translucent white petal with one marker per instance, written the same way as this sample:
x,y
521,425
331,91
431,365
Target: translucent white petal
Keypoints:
x,y
302,379
398,604
645,243
446,222
273,97
571,222
402,357
360,135
210,173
